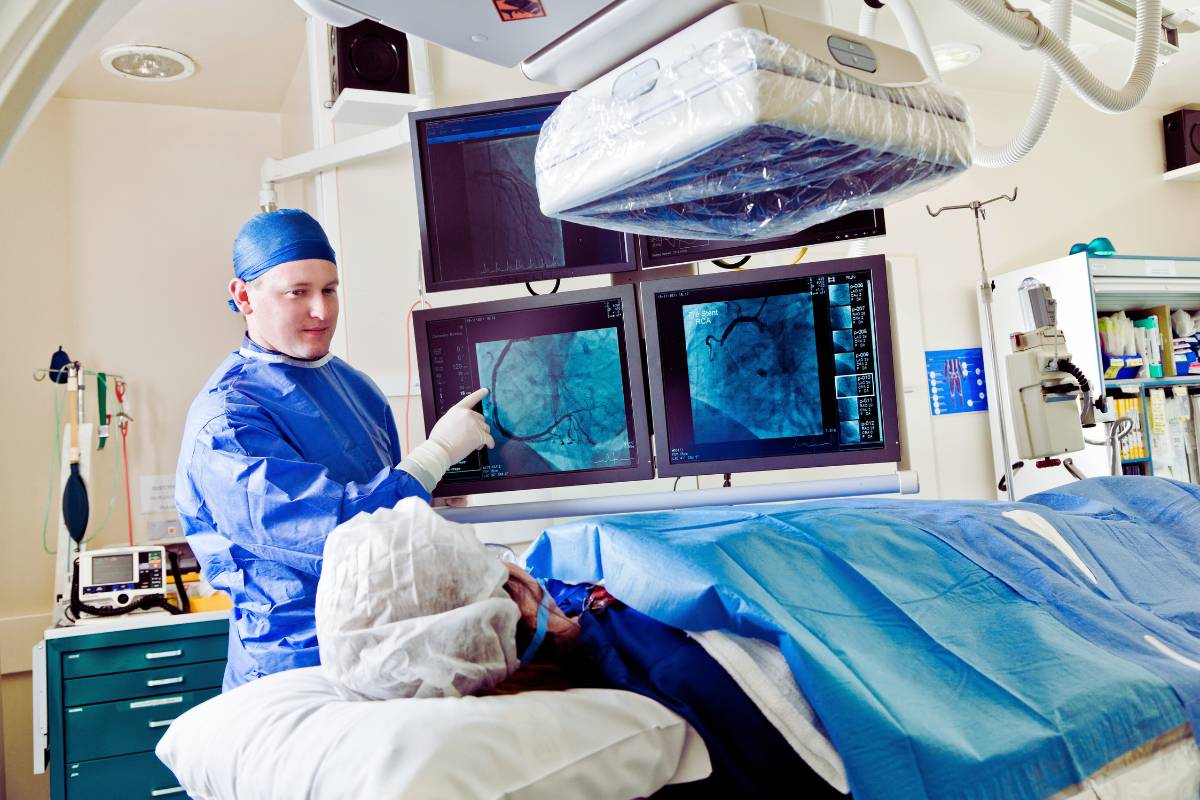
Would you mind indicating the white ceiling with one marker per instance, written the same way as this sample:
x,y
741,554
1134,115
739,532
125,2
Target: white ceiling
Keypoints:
x,y
246,53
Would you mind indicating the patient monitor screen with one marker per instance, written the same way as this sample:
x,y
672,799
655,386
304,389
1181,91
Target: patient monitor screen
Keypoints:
x,y
770,369
480,215
560,398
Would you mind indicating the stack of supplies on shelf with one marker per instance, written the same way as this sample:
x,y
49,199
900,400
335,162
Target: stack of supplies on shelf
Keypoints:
x,y
1149,345
1187,342
1133,444
1173,433
1119,345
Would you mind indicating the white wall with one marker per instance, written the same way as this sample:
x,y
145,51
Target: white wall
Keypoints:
x,y
117,225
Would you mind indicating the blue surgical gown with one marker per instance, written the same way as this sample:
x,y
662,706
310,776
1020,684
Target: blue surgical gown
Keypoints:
x,y
276,453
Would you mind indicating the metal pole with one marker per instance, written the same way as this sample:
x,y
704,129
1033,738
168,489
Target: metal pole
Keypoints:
x,y
986,287
976,206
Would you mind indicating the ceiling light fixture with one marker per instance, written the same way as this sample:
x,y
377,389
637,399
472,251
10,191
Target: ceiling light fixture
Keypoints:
x,y
147,63
955,55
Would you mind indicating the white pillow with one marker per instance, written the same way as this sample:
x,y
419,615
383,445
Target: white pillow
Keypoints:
x,y
290,736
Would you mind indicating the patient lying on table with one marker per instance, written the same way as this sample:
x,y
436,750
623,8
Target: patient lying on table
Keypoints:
x,y
410,605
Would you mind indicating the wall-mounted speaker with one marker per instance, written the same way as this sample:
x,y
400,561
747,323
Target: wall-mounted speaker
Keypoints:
x,y
368,55
1181,138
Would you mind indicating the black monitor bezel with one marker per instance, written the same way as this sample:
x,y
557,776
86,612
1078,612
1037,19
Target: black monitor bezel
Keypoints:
x,y
416,120
888,453
643,469
726,249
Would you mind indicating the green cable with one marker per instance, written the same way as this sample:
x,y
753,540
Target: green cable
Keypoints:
x,y
115,482
54,465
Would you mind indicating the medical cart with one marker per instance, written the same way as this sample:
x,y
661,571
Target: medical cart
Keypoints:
x,y
105,692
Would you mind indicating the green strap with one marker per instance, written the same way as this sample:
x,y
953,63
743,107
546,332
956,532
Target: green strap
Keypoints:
x,y
102,406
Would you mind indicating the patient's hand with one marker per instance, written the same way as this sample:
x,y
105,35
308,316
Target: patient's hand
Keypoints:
x,y
527,594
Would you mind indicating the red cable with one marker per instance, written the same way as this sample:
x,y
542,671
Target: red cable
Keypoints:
x,y
123,426
408,368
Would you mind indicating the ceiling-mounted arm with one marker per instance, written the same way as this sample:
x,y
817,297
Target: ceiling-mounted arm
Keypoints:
x,y
39,47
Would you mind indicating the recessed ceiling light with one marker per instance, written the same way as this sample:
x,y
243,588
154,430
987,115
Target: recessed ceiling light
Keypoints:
x,y
955,55
147,63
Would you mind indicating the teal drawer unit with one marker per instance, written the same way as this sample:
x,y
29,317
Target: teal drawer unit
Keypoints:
x,y
143,683
143,655
110,696
121,778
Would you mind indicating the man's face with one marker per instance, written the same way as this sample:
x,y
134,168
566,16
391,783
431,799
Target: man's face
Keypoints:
x,y
292,309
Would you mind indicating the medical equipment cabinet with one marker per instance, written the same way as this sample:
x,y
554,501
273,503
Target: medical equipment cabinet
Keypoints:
x,y
1087,287
104,694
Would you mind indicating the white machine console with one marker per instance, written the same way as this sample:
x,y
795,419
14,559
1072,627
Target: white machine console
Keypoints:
x,y
1051,398
1045,401
114,577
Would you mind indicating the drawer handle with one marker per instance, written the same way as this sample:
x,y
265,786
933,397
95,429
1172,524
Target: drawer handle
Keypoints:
x,y
159,723
165,681
158,701
165,654
165,792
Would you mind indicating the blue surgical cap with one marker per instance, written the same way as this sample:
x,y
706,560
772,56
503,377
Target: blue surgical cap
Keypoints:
x,y
277,237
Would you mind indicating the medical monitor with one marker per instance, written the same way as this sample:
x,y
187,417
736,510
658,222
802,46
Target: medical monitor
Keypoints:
x,y
772,368
660,251
477,201
567,399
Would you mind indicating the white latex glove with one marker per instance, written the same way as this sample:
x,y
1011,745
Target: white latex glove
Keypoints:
x,y
460,432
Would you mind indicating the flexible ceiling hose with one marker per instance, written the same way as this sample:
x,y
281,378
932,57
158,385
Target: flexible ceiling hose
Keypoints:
x,y
1061,64
997,15
1049,88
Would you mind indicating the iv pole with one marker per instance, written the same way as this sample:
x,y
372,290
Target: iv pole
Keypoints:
x,y
986,288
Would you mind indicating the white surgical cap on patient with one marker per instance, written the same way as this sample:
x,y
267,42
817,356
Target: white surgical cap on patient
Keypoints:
x,y
410,605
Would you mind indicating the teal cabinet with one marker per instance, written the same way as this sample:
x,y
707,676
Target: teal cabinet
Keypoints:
x,y
110,696
121,778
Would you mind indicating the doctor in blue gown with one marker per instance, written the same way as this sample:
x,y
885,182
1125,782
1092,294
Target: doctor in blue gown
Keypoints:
x,y
285,441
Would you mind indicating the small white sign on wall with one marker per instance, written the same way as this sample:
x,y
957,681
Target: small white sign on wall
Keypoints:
x,y
158,494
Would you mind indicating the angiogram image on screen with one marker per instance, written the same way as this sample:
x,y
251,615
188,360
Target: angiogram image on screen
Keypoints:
x,y
556,402
752,368
509,233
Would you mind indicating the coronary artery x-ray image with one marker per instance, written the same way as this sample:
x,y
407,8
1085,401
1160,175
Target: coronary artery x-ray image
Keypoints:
x,y
752,368
557,402
516,236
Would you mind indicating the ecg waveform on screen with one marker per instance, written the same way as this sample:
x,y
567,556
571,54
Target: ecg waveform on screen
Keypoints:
x,y
517,238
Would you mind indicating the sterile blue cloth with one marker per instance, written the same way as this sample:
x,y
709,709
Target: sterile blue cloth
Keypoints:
x,y
933,677
1138,592
276,453
277,237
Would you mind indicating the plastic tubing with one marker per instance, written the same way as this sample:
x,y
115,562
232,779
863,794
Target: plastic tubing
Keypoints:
x,y
1024,29
1045,101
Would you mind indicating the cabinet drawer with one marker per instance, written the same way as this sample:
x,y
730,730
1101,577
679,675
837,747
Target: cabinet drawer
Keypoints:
x,y
122,778
143,683
129,726
107,660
